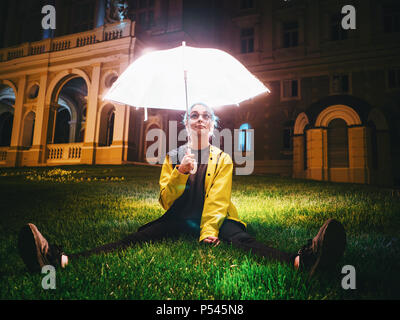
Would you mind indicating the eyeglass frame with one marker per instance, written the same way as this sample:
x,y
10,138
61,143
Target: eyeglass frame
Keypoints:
x,y
205,116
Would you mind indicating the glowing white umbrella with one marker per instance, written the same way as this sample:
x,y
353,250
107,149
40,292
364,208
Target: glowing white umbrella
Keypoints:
x,y
176,78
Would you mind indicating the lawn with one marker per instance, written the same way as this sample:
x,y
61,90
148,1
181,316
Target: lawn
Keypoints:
x,y
86,206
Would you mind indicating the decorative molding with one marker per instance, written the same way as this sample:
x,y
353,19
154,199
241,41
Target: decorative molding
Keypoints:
x,y
300,124
338,111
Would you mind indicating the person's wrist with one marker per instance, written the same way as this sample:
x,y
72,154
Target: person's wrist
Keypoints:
x,y
181,170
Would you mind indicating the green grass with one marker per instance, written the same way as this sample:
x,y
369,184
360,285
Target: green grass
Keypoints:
x,y
86,206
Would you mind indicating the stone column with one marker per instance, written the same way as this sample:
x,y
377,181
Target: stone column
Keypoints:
x,y
89,145
100,13
358,156
41,123
14,154
119,143
298,156
317,154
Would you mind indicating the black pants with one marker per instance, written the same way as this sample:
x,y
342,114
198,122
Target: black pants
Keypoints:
x,y
231,232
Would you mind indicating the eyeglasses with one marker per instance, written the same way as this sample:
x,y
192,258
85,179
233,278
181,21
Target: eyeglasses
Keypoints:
x,y
195,115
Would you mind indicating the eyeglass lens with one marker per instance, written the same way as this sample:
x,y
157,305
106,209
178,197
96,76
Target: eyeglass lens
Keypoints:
x,y
195,116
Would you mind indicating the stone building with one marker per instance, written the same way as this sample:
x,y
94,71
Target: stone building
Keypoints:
x,y
333,113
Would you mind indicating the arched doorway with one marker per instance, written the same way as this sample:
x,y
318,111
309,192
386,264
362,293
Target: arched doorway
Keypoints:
x,y
338,144
106,130
62,129
68,114
7,101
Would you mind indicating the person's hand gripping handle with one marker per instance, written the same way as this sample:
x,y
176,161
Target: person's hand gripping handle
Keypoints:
x,y
188,163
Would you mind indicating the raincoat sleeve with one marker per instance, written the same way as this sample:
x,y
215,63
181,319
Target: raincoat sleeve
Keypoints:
x,y
172,184
217,199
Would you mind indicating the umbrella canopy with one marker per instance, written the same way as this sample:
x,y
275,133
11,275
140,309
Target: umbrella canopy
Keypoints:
x,y
174,78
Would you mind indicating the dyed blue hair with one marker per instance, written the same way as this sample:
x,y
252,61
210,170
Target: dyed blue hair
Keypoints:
x,y
214,118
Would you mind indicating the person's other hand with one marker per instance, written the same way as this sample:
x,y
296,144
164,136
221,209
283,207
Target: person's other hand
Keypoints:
x,y
187,163
212,240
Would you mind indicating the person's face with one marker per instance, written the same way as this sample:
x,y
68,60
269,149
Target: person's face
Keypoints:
x,y
200,121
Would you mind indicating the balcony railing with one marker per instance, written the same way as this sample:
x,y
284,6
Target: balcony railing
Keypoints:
x,y
3,153
109,32
68,152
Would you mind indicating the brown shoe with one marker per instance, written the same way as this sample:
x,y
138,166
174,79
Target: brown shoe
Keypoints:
x,y
325,249
35,251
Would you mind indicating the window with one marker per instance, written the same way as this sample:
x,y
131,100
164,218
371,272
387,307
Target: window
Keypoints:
x,y
340,83
290,89
142,11
393,78
338,147
336,31
391,18
33,91
245,138
247,40
246,4
290,34
151,18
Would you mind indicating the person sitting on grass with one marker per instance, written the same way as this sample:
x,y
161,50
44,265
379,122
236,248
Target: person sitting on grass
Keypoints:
x,y
197,204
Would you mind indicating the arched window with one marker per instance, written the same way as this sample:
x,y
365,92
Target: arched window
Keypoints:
x,y
245,138
338,146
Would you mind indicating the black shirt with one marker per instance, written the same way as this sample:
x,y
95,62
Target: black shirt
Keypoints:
x,y
189,206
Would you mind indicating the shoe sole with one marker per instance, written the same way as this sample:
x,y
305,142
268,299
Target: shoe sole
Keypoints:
x,y
29,248
332,241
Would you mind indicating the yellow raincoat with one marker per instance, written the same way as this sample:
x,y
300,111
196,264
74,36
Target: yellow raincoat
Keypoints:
x,y
218,185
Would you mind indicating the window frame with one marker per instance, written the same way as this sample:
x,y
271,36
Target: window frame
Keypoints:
x,y
247,39
291,97
388,14
290,32
341,75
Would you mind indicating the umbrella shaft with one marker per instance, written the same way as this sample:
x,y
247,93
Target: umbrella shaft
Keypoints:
x,y
186,93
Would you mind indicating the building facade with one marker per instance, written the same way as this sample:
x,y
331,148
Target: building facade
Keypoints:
x,y
333,113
